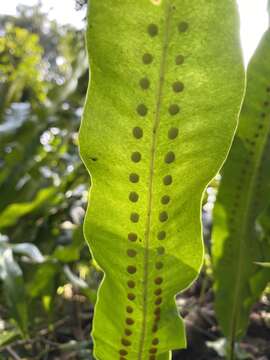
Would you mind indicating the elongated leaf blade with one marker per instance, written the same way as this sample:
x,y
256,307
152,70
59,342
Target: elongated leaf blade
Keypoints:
x,y
244,193
13,212
166,87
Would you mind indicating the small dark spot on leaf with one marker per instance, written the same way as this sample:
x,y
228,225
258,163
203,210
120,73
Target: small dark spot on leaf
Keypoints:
x,y
131,269
137,132
142,110
125,342
178,86
144,83
133,196
131,253
134,217
134,178
160,250
136,157
132,237
158,301
158,280
147,58
165,199
161,235
130,321
174,109
128,332
183,26
167,180
173,133
152,30
170,157
159,265
131,284
179,60
131,296
123,352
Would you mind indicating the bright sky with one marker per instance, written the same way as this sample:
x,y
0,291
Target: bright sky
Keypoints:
x,y
62,10
254,18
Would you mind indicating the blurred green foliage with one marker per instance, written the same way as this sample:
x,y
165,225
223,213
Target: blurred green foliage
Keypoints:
x,y
44,261
20,59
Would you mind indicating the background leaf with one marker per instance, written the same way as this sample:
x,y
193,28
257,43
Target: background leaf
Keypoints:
x,y
238,241
12,278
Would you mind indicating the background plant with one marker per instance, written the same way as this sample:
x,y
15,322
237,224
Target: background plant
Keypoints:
x,y
42,181
240,240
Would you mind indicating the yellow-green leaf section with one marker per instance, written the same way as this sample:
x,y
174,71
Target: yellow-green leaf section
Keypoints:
x,y
166,87
244,194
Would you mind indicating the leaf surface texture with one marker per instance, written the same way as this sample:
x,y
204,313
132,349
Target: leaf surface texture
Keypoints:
x,y
166,87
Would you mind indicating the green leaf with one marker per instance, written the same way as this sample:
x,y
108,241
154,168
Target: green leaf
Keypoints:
x,y
264,264
166,87
12,277
70,253
244,193
7,336
43,282
13,212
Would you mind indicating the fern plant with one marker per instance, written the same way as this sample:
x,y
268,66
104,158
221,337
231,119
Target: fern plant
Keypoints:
x,y
166,86
239,242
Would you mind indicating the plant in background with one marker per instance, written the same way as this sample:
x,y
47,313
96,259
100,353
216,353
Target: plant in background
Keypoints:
x,y
12,277
166,87
240,239
43,184
20,66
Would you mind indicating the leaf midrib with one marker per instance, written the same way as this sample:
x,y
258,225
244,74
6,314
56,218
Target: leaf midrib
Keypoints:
x,y
249,197
156,122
